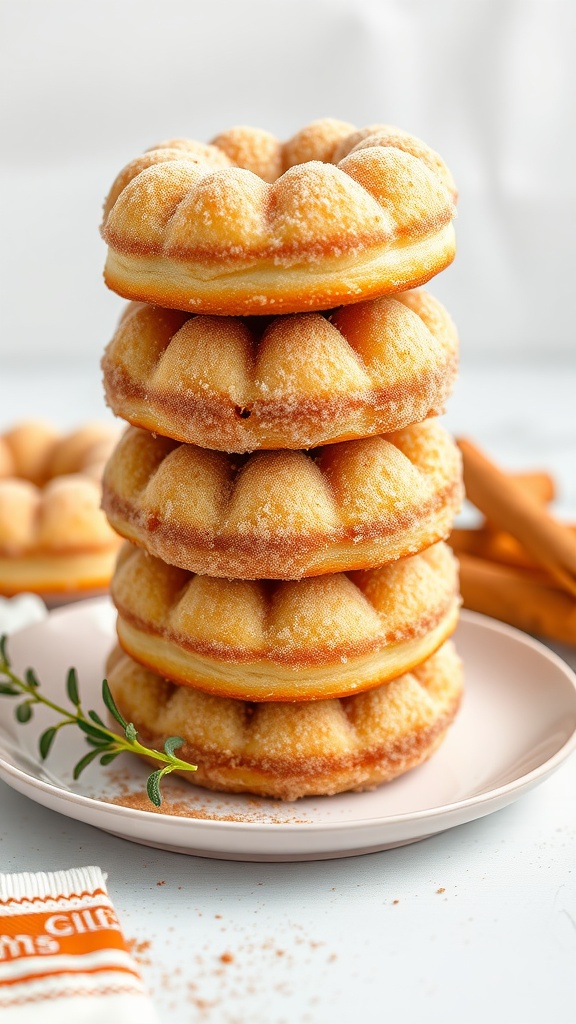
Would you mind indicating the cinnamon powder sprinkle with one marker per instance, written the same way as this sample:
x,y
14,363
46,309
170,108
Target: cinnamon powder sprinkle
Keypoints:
x,y
139,948
186,809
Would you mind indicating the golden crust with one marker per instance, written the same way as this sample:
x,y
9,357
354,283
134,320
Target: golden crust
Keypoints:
x,y
293,382
263,640
214,229
55,575
53,534
285,514
388,135
294,750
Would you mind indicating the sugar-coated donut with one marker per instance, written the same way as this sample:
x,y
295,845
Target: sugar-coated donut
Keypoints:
x,y
285,514
294,750
325,636
249,225
54,538
295,381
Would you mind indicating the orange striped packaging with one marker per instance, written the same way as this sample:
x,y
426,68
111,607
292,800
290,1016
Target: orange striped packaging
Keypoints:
x,y
62,953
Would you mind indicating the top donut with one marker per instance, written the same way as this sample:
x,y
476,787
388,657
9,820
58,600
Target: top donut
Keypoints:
x,y
251,225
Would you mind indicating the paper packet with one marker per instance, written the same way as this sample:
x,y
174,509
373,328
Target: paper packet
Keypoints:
x,y
63,957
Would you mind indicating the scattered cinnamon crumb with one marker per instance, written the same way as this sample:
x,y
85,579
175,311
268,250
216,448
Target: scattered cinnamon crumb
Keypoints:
x,y
441,890
187,809
395,902
138,948
202,1004
227,958
163,882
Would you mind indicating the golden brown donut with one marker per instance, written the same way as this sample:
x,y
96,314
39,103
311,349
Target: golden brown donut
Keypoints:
x,y
326,636
294,750
296,381
54,538
285,514
252,225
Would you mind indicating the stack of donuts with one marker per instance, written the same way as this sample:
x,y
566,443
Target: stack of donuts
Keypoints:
x,y
285,598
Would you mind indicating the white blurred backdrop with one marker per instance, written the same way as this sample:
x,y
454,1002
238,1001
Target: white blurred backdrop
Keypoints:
x,y
490,84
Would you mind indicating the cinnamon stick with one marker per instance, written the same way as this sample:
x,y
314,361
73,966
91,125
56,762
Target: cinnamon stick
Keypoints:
x,y
496,546
540,484
514,510
511,595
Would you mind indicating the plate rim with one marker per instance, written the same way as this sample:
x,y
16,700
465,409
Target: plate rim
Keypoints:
x,y
118,811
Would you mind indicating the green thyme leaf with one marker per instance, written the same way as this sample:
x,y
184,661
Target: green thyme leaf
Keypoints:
x,y
4,650
153,788
84,762
111,703
173,743
131,733
102,744
31,678
46,740
23,712
107,758
7,690
72,687
96,718
92,730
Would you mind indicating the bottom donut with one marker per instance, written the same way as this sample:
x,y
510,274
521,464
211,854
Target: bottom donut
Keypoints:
x,y
287,750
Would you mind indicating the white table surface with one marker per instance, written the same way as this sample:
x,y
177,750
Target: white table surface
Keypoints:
x,y
372,936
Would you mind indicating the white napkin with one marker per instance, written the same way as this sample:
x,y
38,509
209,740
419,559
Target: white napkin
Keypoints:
x,y
63,958
22,610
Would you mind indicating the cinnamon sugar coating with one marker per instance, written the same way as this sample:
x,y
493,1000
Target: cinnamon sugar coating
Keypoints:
x,y
285,514
295,381
249,225
294,750
308,639
53,534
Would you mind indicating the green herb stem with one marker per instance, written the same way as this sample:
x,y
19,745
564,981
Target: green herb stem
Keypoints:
x,y
104,742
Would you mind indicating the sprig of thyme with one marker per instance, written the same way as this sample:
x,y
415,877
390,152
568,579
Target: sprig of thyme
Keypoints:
x,y
105,743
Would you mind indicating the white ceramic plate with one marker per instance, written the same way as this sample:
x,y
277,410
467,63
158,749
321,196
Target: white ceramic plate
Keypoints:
x,y
516,726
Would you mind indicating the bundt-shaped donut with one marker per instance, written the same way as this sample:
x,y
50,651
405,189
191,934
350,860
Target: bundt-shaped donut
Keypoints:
x,y
53,535
294,750
291,382
250,225
285,514
326,636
